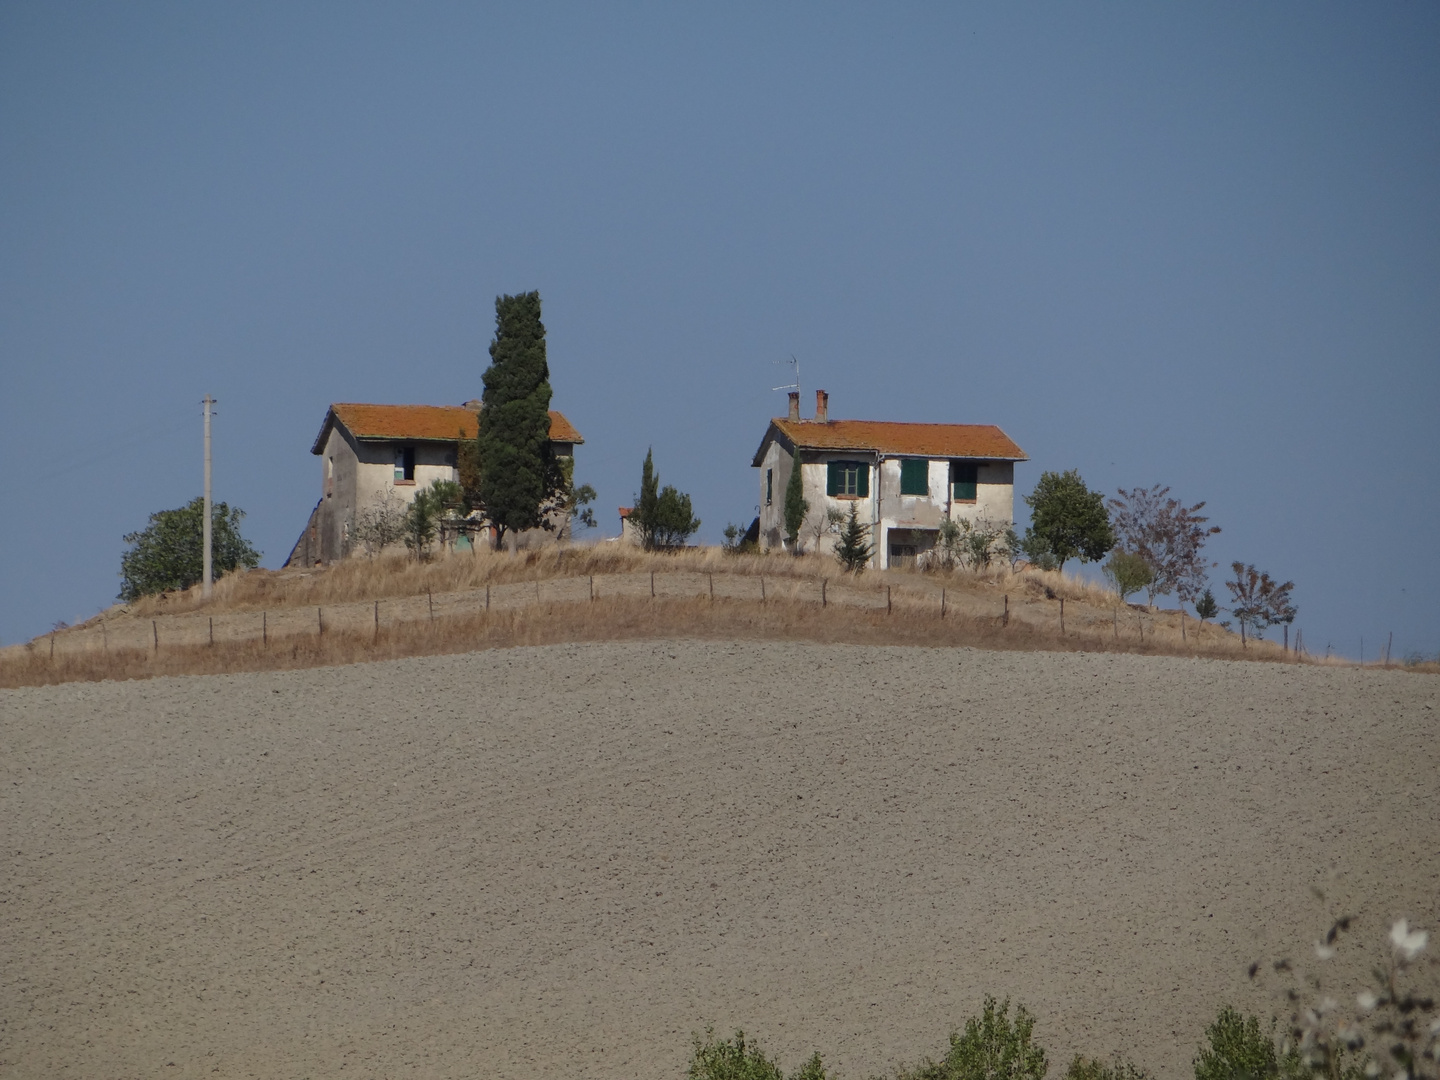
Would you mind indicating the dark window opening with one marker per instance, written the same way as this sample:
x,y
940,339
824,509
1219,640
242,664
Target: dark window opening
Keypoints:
x,y
405,464
769,486
963,476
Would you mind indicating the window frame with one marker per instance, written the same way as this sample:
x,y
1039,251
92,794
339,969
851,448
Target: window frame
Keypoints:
x,y
840,473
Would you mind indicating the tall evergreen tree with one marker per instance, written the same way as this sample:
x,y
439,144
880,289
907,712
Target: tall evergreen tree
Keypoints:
x,y
518,469
796,506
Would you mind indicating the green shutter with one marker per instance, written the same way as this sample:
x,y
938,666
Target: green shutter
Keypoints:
x,y
965,479
862,480
832,478
914,476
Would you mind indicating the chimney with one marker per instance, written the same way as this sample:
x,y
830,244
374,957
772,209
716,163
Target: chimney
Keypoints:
x,y
822,406
794,404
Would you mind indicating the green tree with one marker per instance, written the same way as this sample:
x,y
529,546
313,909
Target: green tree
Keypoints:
x,y
795,505
1069,519
1236,1049
1205,606
663,516
1259,601
730,1059
518,471
992,1047
429,506
170,554
1128,572
854,549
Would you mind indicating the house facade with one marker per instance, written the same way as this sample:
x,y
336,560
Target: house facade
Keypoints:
x,y
902,479
374,454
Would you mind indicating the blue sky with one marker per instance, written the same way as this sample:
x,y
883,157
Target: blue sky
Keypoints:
x,y
1186,244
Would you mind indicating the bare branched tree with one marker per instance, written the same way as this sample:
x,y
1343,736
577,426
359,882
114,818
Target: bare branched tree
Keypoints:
x,y
1168,535
1259,602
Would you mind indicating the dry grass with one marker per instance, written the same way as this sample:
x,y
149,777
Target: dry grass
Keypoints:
x,y
273,620
992,611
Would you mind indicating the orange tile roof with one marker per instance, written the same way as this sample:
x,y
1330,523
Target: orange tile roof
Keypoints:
x,y
422,423
886,437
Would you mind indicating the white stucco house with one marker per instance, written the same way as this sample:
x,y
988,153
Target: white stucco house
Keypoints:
x,y
903,479
369,453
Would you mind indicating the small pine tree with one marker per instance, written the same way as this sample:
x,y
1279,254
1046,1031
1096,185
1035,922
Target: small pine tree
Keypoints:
x,y
1205,606
854,548
795,505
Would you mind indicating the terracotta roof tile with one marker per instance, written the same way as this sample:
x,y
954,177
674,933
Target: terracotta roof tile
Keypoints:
x,y
886,437
422,423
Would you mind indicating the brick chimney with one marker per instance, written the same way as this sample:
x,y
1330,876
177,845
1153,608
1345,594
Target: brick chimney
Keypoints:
x,y
794,404
822,406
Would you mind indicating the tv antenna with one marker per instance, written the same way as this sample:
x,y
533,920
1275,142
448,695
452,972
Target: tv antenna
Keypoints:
x,y
795,363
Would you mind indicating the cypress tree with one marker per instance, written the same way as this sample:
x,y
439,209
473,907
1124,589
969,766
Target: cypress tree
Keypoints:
x,y
518,470
795,505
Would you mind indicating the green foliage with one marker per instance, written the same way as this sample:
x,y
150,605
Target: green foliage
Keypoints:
x,y
518,470
1236,1049
428,507
1205,606
380,524
1083,1068
737,1059
992,1047
854,549
1068,519
664,517
1037,550
796,507
1168,535
1128,571
170,553
730,1059
467,465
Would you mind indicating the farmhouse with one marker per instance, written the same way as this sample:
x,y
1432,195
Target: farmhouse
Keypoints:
x,y
371,454
902,479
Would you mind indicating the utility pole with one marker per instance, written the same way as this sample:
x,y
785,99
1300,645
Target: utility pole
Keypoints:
x,y
209,579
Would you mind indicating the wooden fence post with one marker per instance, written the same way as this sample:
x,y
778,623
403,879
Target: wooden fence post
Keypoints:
x,y
1182,624
155,633
1062,616
212,631
887,600
1388,643
942,601
377,621
762,588
1115,622
823,582
712,588
592,588
430,602
52,646
652,584
320,615
264,629
1005,619
487,597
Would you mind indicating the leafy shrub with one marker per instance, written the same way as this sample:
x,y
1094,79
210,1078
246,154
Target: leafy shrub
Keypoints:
x,y
1238,1050
1128,572
992,1047
735,1059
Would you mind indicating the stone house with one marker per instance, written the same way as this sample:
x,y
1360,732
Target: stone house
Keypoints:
x,y
903,479
373,453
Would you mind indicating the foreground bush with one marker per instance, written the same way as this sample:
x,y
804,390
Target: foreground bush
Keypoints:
x,y
992,1047
735,1059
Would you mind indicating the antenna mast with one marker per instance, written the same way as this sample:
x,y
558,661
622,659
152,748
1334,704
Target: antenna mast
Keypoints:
x,y
796,384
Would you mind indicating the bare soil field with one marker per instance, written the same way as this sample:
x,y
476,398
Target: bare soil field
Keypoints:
x,y
560,861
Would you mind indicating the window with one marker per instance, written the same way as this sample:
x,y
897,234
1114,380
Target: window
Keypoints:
x,y
914,476
769,486
850,478
963,477
405,465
